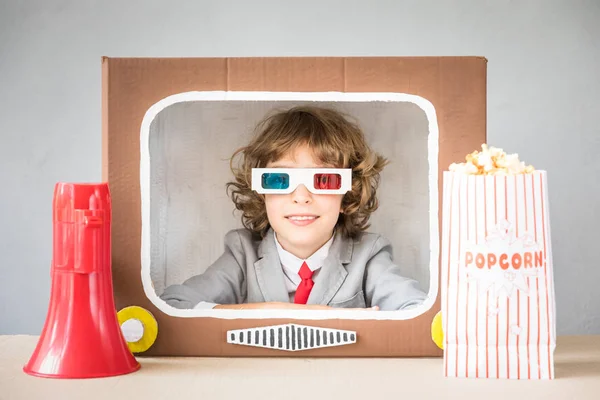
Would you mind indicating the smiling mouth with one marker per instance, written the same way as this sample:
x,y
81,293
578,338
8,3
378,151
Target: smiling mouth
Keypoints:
x,y
302,217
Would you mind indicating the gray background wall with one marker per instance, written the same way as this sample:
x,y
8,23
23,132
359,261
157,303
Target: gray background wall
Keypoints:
x,y
543,100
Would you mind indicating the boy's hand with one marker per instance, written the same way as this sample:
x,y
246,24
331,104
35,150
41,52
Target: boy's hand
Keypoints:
x,y
289,306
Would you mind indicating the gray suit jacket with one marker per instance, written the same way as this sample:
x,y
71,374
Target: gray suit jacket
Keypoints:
x,y
357,273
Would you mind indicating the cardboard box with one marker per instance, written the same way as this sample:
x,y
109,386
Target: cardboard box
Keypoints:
x,y
448,93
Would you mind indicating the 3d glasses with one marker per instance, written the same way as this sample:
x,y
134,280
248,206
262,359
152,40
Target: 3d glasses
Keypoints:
x,y
316,180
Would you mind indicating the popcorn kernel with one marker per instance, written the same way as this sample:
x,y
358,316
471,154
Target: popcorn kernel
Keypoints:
x,y
491,161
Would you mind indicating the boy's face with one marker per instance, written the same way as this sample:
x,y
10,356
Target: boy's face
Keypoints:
x,y
303,221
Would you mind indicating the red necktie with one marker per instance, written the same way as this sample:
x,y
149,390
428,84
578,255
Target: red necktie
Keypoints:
x,y
305,285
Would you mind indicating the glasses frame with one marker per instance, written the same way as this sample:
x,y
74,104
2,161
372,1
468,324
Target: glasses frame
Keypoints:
x,y
302,176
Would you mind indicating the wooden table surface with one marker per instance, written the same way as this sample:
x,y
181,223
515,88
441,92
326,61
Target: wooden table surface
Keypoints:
x,y
577,366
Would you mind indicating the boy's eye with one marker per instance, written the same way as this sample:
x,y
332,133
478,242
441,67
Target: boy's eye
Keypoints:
x,y
275,181
328,181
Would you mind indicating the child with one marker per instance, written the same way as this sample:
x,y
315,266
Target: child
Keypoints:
x,y
305,243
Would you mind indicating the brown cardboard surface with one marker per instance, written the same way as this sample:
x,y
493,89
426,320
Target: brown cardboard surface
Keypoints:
x,y
456,86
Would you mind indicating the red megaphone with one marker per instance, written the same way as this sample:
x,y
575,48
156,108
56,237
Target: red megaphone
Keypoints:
x,y
81,337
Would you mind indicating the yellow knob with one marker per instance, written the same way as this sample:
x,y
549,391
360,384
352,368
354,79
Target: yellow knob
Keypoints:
x,y
437,331
139,328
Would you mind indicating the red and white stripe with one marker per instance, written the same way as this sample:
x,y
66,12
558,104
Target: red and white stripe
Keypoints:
x,y
478,343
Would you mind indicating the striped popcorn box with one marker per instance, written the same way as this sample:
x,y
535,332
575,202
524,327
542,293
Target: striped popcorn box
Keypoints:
x,y
498,303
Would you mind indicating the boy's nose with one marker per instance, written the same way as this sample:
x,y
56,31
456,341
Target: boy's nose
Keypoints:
x,y
302,195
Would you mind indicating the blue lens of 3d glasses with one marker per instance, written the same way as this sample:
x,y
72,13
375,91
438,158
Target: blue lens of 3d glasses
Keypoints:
x,y
275,181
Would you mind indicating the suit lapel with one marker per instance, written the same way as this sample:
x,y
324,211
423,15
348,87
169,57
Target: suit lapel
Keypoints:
x,y
269,273
332,273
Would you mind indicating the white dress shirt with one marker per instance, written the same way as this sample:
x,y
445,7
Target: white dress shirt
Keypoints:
x,y
291,266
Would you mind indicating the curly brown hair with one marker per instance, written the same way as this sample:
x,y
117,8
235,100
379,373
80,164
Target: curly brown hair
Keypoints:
x,y
335,141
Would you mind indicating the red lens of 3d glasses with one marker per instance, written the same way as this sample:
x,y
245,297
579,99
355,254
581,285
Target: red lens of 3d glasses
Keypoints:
x,y
327,181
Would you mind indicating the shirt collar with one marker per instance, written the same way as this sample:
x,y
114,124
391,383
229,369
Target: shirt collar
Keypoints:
x,y
314,262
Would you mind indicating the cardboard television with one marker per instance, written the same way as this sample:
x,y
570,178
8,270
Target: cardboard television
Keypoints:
x,y
169,128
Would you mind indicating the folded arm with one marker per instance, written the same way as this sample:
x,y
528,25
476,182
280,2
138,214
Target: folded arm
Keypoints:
x,y
385,285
